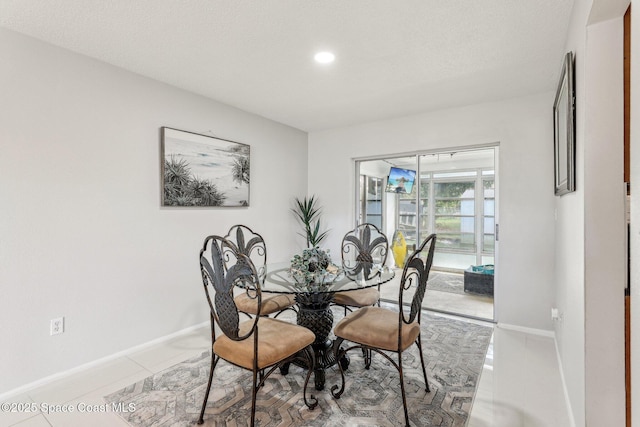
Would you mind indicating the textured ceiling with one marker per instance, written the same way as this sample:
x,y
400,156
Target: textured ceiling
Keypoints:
x,y
392,58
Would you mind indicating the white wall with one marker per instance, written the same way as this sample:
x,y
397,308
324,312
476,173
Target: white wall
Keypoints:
x,y
569,241
82,233
524,281
589,244
605,229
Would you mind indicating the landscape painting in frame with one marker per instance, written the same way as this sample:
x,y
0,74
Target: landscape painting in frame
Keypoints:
x,y
200,170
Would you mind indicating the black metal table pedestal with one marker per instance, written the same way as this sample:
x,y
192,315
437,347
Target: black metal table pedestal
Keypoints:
x,y
314,313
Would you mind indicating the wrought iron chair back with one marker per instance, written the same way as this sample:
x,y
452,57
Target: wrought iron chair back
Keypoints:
x,y
222,267
243,240
415,274
362,248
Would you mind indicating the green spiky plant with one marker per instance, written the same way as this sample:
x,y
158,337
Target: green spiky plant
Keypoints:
x,y
308,213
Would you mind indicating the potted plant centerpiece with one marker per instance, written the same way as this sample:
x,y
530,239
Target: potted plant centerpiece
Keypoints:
x,y
313,274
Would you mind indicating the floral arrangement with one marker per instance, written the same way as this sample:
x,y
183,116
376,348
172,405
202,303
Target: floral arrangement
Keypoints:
x,y
313,266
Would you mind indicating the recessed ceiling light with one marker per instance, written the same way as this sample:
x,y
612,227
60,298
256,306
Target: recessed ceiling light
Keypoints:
x,y
324,57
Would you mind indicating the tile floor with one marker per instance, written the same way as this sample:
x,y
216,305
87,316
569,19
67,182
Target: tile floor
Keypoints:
x,y
475,306
519,386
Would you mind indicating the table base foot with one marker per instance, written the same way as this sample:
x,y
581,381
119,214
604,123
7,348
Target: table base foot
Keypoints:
x,y
324,360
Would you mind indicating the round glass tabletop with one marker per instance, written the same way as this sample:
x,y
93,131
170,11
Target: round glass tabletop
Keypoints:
x,y
278,279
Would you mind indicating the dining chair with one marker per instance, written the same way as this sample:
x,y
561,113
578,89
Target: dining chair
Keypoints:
x,y
259,344
381,330
362,248
244,240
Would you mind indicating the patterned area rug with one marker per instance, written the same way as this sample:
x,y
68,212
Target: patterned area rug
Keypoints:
x,y
446,282
454,354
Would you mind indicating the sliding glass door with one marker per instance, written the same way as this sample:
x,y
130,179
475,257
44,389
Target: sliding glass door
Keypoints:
x,y
453,195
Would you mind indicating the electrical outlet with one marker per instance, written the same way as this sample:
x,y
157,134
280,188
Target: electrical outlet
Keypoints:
x,y
57,326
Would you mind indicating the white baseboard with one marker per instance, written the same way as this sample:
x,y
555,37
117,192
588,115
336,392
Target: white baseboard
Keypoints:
x,y
532,331
57,376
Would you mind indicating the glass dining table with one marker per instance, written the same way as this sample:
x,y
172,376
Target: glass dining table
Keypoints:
x,y
314,301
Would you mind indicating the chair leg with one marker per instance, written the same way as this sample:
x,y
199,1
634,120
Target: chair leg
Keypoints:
x,y
254,391
404,396
367,354
424,371
337,354
214,361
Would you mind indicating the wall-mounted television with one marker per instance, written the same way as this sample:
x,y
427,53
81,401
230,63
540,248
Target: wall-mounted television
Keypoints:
x,y
400,180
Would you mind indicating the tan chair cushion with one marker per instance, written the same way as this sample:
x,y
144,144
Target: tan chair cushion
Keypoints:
x,y
359,298
376,327
271,303
277,340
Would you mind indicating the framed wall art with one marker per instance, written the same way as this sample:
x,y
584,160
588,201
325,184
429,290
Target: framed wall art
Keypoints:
x,y
564,125
201,170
